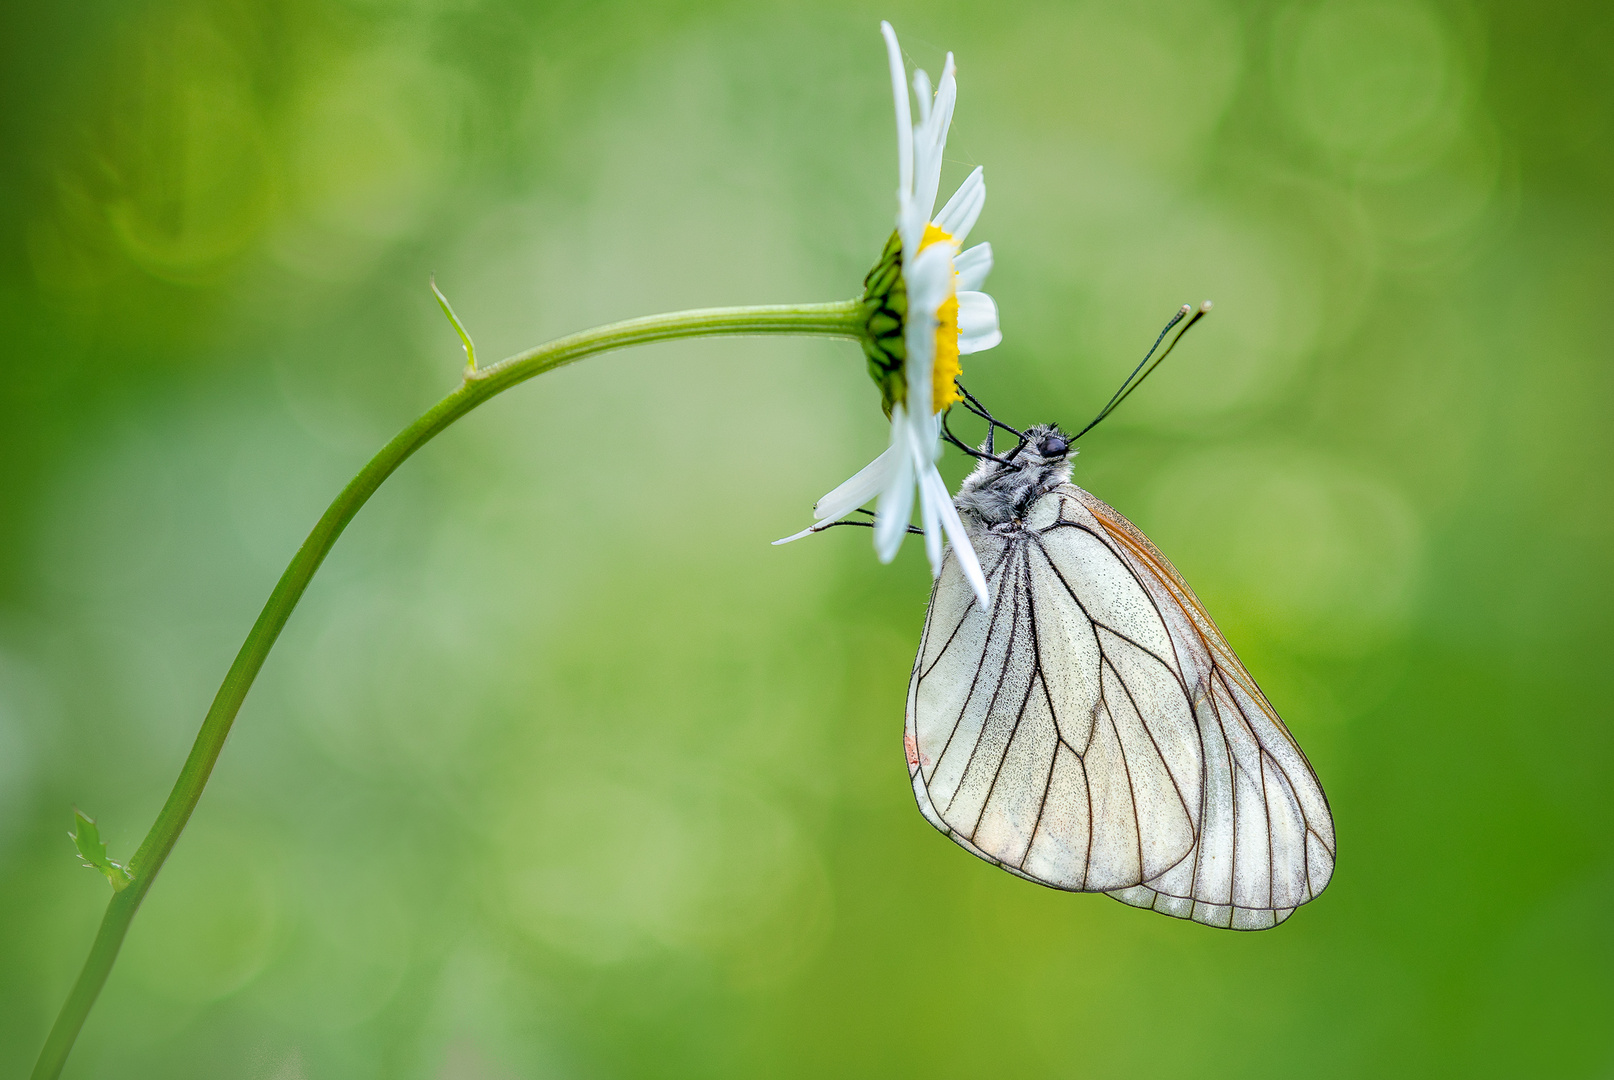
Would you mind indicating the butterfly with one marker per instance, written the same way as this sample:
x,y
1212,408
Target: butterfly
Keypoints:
x,y
1091,730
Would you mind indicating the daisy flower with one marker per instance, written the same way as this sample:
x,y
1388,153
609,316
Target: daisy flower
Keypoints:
x,y
924,313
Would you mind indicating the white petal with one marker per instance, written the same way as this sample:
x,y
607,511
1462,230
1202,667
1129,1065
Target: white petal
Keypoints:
x,y
922,93
929,428
895,507
930,279
797,536
927,167
899,89
973,265
941,116
910,226
930,515
977,322
930,142
963,550
868,482
958,217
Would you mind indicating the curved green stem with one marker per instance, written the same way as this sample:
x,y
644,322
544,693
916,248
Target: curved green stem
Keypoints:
x,y
844,319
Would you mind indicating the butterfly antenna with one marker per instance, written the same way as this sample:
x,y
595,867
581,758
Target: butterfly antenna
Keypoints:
x,y
1115,398
1135,380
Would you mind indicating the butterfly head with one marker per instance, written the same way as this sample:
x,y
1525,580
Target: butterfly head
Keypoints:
x,y
1002,489
1049,443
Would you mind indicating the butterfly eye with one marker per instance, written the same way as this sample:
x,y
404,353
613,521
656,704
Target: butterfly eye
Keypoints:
x,y
1052,445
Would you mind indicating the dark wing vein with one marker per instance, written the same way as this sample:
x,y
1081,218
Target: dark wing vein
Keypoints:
x,y
1120,744
997,608
1233,795
1181,798
1031,617
1244,720
1124,637
1053,758
969,609
1266,806
986,717
1109,546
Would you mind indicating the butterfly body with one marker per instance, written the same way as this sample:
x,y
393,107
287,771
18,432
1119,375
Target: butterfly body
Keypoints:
x,y
1092,730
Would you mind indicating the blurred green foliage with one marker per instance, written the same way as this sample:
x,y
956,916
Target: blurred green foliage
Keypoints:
x,y
561,770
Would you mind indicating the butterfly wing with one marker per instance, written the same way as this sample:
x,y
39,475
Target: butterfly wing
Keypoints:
x,y
1093,731
1266,842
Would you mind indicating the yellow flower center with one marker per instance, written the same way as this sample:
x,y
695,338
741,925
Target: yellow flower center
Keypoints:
x,y
946,368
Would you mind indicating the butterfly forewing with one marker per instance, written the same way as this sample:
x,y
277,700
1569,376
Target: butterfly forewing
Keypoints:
x,y
1093,731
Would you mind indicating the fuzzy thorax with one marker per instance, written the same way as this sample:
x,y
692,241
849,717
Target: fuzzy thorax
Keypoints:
x,y
997,493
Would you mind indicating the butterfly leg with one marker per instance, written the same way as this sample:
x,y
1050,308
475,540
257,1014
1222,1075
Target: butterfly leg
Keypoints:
x,y
867,524
966,447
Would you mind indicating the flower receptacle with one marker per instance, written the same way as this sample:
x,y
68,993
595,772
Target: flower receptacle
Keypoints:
x,y
885,312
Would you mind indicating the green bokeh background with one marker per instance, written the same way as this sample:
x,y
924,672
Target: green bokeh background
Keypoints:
x,y
560,770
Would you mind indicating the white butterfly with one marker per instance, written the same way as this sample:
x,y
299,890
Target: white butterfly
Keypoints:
x,y
1092,730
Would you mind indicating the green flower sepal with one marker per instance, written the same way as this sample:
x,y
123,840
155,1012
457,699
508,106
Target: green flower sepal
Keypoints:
x,y
885,312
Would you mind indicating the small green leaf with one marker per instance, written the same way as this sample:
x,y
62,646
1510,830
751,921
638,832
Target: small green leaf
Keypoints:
x,y
465,338
91,849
